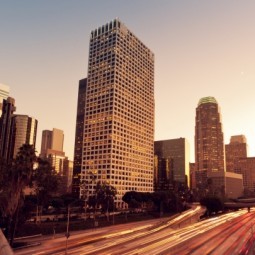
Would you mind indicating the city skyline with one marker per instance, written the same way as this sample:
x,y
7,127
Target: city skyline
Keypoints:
x,y
201,49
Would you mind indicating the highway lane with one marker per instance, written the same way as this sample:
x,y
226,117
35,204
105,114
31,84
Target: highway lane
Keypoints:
x,y
161,241
50,245
119,233
227,238
154,238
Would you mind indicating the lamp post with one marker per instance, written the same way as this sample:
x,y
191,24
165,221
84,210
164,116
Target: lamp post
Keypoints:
x,y
113,210
67,226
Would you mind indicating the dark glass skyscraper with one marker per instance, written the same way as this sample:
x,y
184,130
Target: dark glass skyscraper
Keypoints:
x,y
173,159
79,137
8,110
15,130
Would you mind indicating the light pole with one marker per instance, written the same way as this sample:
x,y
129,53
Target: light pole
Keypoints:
x,y
67,226
113,210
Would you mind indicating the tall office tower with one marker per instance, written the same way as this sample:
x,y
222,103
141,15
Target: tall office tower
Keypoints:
x,y
163,174
4,93
245,167
52,148
51,140
119,111
209,145
46,142
57,141
79,137
23,131
176,152
5,128
237,148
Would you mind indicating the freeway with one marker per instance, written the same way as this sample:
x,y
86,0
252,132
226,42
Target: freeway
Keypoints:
x,y
211,236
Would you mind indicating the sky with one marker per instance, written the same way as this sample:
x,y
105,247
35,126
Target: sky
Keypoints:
x,y
202,48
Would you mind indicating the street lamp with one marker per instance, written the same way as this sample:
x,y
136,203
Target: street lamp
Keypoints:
x,y
68,223
67,226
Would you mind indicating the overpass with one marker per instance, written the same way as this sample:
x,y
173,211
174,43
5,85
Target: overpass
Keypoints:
x,y
240,203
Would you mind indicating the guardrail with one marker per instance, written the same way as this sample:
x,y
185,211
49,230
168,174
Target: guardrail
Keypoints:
x,y
5,248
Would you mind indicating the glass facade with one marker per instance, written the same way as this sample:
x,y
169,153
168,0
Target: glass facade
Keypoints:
x,y
79,137
24,131
175,155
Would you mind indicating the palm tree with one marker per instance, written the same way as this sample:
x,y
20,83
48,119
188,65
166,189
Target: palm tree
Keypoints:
x,y
19,176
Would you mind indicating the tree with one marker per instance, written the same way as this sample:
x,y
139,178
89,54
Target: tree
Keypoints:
x,y
136,199
45,181
104,197
18,176
212,204
133,199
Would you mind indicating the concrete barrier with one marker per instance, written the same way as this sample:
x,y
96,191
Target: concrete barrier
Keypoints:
x,y
5,248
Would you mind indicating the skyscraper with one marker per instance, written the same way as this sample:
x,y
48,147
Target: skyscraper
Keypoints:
x,y
15,130
119,111
4,93
174,154
52,148
245,167
236,149
8,109
209,144
79,137
51,140
24,130
46,142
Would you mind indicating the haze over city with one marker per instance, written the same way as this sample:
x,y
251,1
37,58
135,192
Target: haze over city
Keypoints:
x,y
202,48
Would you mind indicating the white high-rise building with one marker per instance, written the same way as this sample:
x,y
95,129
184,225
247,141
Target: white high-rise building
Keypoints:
x,y
119,112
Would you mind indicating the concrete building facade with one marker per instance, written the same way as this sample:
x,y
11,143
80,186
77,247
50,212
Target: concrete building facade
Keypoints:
x,y
119,112
237,148
209,143
246,167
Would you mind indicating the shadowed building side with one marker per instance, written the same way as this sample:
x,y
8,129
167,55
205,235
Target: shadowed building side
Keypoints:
x,y
79,137
173,163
